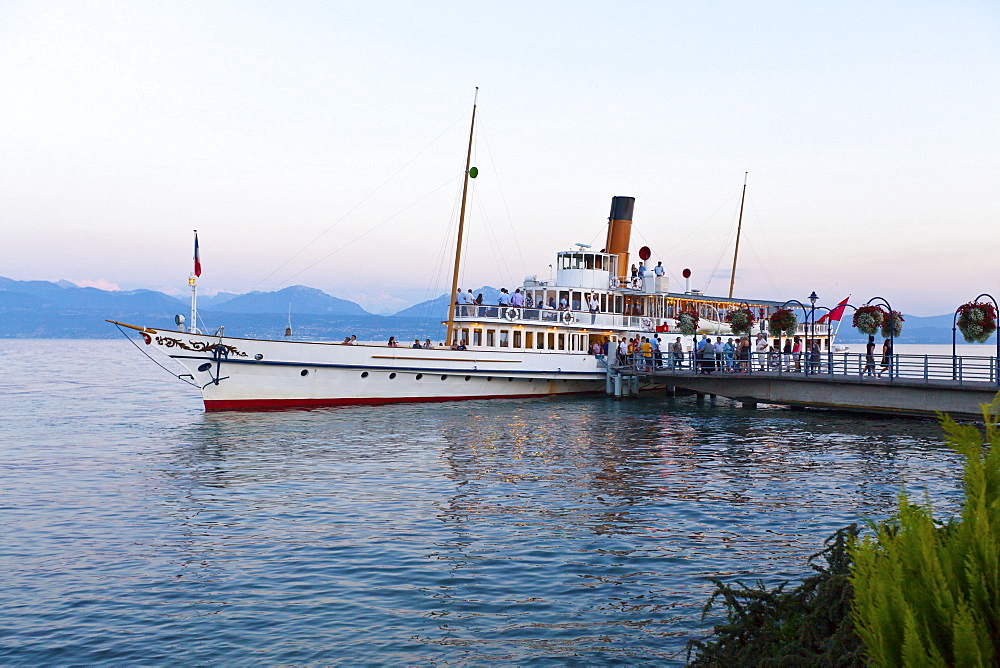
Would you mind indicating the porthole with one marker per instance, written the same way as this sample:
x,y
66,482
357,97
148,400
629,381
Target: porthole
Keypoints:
x,y
304,372
419,376
391,376
444,377
364,374
205,367
258,357
468,377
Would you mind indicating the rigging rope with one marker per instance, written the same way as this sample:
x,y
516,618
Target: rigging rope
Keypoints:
x,y
355,207
137,347
366,233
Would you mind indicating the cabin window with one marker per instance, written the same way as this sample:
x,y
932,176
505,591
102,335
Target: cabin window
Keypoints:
x,y
477,337
540,343
552,341
588,261
598,262
465,336
529,339
562,341
575,301
517,338
490,338
504,338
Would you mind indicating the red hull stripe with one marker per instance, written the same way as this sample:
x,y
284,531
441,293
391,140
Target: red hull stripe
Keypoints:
x,y
281,404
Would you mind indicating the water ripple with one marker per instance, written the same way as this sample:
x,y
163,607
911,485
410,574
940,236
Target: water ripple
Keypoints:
x,y
139,529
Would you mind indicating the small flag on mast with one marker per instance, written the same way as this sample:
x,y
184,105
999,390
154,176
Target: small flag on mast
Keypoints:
x,y
197,256
837,313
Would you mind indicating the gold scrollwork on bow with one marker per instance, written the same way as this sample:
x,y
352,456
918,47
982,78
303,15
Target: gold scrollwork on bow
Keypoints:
x,y
198,346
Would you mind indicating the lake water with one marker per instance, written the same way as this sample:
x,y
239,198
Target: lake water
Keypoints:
x,y
138,529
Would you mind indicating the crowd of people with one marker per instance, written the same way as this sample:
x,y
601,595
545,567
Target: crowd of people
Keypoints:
x,y
735,355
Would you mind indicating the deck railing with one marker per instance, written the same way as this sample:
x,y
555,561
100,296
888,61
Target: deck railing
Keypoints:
x,y
922,368
548,317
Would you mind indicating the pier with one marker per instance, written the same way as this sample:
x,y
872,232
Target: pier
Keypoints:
x,y
911,385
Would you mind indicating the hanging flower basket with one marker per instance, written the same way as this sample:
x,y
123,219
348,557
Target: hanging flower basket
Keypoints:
x,y
782,323
740,321
895,321
977,321
869,319
687,323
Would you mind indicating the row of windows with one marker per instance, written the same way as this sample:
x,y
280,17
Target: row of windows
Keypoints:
x,y
523,340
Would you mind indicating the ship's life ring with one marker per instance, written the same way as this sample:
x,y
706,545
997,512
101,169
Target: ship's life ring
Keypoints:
x,y
647,324
567,317
513,314
613,282
637,283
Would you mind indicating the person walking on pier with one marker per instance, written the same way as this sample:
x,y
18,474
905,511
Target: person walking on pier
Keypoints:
x,y
869,357
729,354
886,357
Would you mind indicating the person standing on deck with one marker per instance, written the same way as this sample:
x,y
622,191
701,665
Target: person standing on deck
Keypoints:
x,y
761,348
517,299
647,353
594,306
658,269
676,354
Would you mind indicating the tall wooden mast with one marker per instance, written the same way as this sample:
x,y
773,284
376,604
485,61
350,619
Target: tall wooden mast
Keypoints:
x,y
461,227
739,228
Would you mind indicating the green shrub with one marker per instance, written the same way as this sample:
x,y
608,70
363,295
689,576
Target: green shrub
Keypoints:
x,y
808,625
929,595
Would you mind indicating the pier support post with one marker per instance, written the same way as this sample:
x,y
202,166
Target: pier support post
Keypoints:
x,y
618,386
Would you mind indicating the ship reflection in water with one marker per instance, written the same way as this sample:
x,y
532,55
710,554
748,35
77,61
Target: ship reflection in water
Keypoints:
x,y
544,530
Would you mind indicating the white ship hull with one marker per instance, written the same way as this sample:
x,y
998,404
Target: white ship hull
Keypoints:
x,y
250,374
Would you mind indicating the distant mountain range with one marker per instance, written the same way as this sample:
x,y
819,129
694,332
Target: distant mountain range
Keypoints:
x,y
42,309
439,305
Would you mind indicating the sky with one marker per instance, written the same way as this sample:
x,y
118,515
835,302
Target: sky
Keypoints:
x,y
324,143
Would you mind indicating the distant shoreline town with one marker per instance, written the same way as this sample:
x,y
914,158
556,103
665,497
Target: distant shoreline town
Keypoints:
x,y
63,310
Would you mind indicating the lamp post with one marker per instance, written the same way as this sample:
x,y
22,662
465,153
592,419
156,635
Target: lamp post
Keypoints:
x,y
801,306
812,328
892,333
954,325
